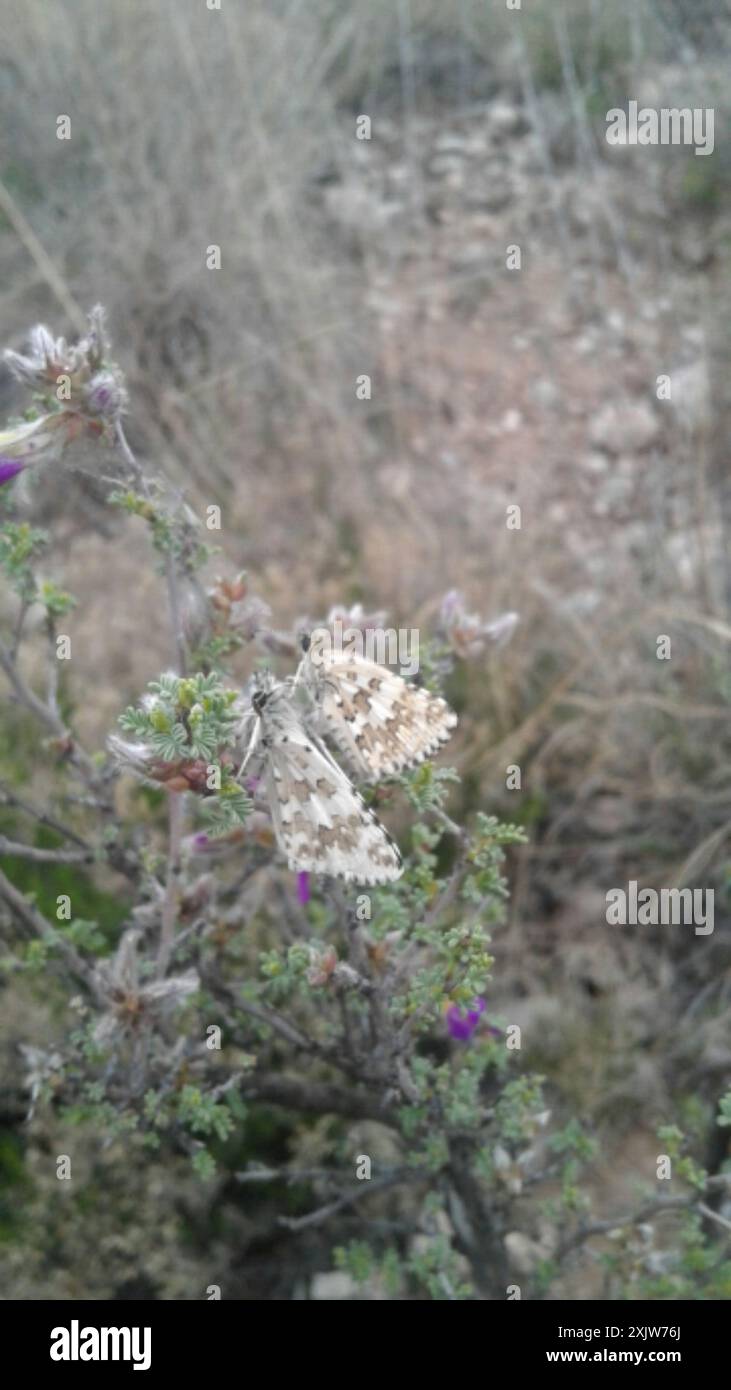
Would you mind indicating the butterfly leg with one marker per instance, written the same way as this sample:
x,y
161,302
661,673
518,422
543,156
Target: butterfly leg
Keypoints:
x,y
306,645
299,673
256,732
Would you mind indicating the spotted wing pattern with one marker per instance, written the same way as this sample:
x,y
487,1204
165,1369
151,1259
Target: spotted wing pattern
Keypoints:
x,y
321,822
380,723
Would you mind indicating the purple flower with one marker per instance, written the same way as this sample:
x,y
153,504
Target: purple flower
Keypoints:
x,y
303,887
452,606
9,468
96,384
467,634
463,1025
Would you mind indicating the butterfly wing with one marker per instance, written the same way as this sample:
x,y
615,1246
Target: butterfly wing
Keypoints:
x,y
320,820
379,722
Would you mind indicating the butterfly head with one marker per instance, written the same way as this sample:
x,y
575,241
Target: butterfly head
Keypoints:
x,y
264,685
259,699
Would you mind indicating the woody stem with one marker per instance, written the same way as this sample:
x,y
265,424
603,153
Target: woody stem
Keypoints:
x,y
176,821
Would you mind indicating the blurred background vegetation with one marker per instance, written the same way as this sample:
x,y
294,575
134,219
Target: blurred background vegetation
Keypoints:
x,y
340,257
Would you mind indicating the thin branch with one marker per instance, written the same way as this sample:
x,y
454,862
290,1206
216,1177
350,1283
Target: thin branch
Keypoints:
x,y
652,1208
176,617
18,631
43,712
289,1175
41,258
714,1216
316,1097
46,856
176,823
283,1026
176,810
130,459
33,919
270,1018
366,1188
448,824
29,698
9,797
171,572
53,672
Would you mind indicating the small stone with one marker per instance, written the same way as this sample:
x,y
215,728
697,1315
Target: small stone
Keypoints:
x,y
546,393
524,1253
492,197
451,142
505,120
335,1287
693,249
357,210
624,427
447,166
596,463
511,421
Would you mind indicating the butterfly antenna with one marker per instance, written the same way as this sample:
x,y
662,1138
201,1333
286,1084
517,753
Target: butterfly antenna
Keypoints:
x,y
256,731
305,645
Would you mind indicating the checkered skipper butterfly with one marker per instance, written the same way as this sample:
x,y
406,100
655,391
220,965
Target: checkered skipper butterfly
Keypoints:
x,y
380,724
321,822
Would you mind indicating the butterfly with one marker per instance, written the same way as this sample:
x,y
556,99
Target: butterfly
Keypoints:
x,y
380,724
320,821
